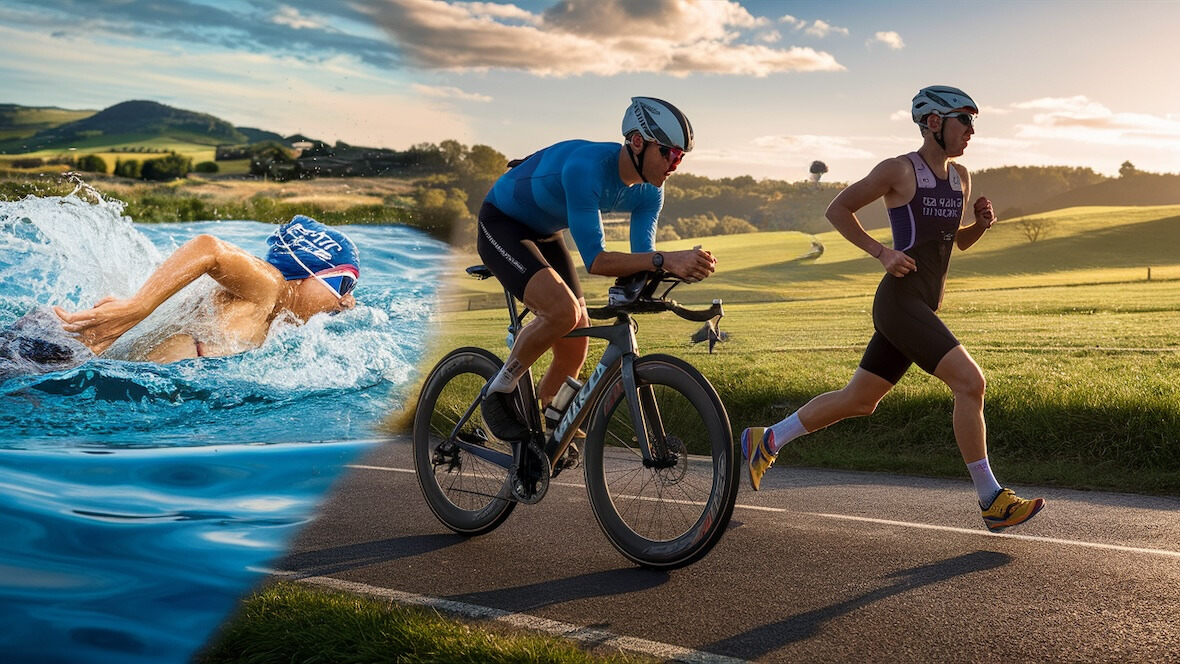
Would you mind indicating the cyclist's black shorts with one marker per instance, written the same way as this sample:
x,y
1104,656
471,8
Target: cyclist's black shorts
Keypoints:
x,y
908,331
514,252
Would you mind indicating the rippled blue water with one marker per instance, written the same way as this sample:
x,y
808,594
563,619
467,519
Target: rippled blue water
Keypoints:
x,y
139,501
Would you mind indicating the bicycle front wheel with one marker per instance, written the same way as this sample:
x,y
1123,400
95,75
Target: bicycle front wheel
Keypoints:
x,y
668,512
466,491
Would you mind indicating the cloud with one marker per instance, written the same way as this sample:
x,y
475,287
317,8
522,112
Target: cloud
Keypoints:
x,y
817,28
1082,119
890,39
445,92
822,29
601,37
300,28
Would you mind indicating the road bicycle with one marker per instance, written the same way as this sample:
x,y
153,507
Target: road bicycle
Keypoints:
x,y
659,457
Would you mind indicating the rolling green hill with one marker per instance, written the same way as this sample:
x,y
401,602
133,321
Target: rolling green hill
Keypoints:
x,y
127,123
18,122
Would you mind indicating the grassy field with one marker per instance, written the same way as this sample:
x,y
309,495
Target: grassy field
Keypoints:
x,y
1080,350
287,622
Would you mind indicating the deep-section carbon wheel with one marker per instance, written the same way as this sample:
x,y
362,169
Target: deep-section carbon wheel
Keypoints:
x,y
464,488
667,512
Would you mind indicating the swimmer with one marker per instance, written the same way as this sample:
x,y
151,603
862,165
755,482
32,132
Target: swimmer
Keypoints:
x,y
309,269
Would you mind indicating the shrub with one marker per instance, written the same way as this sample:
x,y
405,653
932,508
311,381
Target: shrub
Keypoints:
x,y
206,167
92,163
127,169
28,162
166,168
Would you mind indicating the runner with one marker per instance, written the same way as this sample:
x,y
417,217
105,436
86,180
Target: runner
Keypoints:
x,y
924,193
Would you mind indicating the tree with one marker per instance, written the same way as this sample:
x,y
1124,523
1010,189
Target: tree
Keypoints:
x,y
1035,228
1127,170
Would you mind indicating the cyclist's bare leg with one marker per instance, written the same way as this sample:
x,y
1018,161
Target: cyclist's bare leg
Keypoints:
x,y
960,373
568,356
856,399
556,311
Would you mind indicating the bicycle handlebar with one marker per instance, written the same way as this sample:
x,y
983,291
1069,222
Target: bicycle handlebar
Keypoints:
x,y
636,295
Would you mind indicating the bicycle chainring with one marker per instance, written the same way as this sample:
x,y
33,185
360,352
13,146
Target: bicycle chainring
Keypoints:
x,y
530,483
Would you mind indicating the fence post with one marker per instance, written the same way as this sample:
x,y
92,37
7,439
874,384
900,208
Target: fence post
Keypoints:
x,y
1149,274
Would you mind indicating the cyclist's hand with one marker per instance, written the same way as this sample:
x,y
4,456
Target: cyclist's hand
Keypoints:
x,y
896,262
690,264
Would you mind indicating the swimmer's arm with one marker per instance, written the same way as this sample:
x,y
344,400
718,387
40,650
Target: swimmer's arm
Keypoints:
x,y
237,271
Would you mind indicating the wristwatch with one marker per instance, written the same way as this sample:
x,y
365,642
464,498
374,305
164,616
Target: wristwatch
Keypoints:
x,y
657,260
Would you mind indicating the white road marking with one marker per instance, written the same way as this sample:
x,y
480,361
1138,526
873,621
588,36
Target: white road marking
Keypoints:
x,y
585,635
905,524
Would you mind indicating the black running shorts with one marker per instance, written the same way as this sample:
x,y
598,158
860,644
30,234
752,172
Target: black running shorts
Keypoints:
x,y
514,252
908,331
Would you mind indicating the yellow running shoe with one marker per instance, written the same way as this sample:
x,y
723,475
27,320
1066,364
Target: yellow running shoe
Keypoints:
x,y
1008,509
756,443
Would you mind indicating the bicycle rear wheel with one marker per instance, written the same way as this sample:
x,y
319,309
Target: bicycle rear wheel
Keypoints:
x,y
670,513
467,492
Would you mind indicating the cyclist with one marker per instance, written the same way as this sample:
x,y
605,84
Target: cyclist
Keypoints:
x,y
569,185
924,192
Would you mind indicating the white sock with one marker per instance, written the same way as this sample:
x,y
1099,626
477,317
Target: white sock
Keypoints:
x,y
985,482
507,379
786,431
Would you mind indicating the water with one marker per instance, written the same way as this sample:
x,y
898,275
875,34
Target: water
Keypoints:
x,y
139,501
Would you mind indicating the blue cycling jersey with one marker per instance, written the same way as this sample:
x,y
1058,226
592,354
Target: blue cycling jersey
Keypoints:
x,y
569,185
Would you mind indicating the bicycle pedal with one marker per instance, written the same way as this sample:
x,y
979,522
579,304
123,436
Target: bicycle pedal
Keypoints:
x,y
572,458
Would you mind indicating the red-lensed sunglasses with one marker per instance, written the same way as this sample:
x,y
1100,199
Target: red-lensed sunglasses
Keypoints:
x,y
673,155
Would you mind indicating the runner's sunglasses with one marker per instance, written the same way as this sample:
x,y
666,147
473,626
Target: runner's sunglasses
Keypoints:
x,y
966,119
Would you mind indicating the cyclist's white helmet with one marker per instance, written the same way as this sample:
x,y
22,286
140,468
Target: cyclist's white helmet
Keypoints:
x,y
658,121
941,99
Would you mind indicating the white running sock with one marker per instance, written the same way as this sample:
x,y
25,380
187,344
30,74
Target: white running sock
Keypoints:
x,y
786,431
985,482
507,379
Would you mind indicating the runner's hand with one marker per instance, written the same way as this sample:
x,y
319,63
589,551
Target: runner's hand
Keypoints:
x,y
984,214
896,262
692,265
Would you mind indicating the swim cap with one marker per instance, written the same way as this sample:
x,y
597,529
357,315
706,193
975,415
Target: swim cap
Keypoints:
x,y
303,247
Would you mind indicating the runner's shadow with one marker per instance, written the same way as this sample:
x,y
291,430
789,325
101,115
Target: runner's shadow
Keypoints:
x,y
323,562
766,639
557,591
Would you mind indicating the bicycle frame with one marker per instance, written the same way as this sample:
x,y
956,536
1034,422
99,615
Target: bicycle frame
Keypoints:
x,y
620,354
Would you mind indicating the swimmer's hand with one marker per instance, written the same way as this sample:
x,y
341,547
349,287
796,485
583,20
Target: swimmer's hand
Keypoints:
x,y
101,325
897,263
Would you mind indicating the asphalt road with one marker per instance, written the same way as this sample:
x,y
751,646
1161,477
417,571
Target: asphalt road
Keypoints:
x,y
818,566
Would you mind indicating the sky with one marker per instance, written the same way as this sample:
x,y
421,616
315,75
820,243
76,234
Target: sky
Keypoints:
x,y
770,86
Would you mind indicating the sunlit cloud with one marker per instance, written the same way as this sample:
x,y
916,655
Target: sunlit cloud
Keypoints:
x,y
600,37
289,16
817,28
823,29
447,92
890,39
332,99
1079,118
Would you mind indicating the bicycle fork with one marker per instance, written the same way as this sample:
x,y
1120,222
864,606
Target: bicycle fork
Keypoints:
x,y
621,351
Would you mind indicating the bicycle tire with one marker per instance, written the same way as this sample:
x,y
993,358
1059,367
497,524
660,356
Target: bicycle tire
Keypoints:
x,y
670,517
469,495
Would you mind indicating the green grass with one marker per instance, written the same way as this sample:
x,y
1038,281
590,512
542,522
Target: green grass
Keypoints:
x,y
289,622
1081,352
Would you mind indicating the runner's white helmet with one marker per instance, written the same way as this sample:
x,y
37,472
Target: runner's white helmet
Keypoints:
x,y
941,99
658,121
